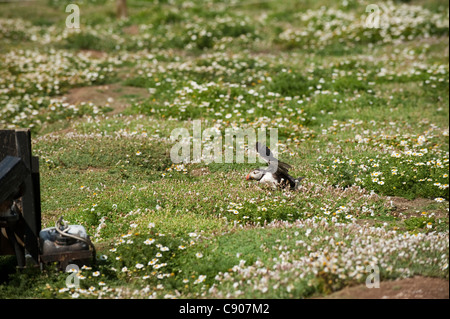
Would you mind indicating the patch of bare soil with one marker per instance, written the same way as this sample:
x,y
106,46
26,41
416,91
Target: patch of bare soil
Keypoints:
x,y
132,30
200,171
94,53
405,204
115,96
410,288
410,207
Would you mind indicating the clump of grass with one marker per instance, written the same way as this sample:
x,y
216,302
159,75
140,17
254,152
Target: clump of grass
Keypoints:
x,y
410,174
362,113
290,83
89,41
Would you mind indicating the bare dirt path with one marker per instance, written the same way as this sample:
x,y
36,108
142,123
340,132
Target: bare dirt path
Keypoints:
x,y
115,96
410,288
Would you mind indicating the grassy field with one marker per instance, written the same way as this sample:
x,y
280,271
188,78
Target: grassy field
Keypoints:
x,y
362,113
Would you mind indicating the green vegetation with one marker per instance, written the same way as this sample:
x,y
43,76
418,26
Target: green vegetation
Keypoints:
x,y
361,113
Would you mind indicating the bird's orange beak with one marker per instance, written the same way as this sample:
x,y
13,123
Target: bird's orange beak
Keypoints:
x,y
248,177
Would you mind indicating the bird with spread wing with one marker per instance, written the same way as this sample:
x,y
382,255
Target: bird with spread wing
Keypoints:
x,y
277,172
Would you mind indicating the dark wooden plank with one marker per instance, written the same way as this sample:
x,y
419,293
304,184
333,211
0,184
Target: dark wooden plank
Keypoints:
x,y
7,143
12,175
7,147
5,246
23,144
18,249
18,143
37,191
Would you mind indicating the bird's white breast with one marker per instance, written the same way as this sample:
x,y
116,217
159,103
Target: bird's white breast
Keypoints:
x,y
268,179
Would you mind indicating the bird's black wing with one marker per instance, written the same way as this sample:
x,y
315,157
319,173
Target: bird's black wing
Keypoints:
x,y
279,169
267,155
284,178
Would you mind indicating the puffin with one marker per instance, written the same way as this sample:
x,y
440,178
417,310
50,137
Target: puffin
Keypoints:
x,y
277,172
